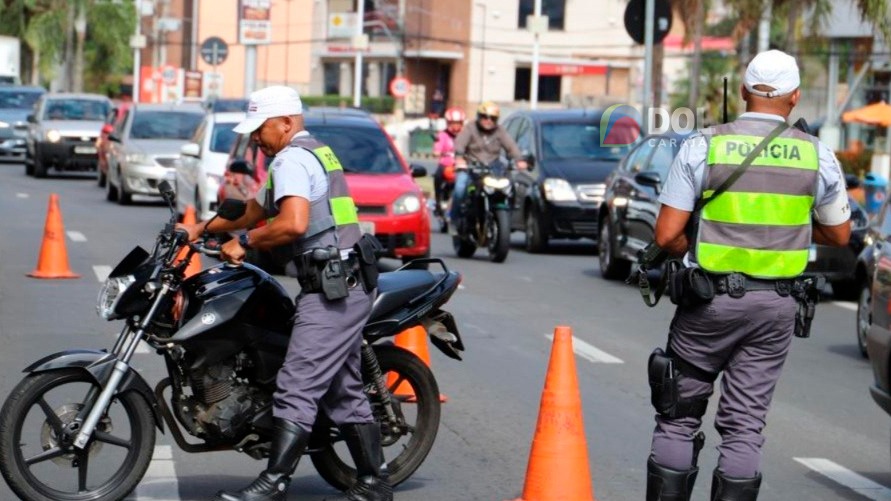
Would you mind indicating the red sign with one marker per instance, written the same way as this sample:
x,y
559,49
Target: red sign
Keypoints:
x,y
549,69
399,86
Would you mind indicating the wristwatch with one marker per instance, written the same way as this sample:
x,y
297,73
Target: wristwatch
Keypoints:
x,y
244,240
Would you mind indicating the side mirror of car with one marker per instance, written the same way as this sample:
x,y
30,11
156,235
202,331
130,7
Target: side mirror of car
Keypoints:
x,y
231,209
190,150
31,118
241,166
418,170
649,178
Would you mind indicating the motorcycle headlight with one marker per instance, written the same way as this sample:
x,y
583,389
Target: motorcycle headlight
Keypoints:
x,y
110,293
559,190
496,183
53,136
407,204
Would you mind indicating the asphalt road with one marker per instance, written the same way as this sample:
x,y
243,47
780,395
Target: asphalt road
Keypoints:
x,y
826,439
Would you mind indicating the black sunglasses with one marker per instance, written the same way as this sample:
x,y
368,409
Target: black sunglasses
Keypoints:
x,y
490,117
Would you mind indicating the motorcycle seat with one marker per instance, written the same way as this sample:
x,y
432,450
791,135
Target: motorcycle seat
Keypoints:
x,y
396,288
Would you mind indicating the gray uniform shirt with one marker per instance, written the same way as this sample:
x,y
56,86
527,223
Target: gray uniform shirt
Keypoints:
x,y
686,177
295,172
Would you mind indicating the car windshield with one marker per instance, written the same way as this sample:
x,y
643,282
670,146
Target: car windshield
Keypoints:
x,y
222,137
359,149
563,141
18,99
76,109
158,124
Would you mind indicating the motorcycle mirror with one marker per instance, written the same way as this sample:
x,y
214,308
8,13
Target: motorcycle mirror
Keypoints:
x,y
231,209
167,191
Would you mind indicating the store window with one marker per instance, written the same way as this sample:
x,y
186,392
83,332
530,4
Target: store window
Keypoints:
x,y
554,9
548,86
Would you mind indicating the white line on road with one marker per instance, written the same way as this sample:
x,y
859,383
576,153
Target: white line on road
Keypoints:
x,y
845,305
22,195
159,482
839,474
76,236
102,272
589,352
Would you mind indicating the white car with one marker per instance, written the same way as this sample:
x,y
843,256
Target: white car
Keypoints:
x,y
203,164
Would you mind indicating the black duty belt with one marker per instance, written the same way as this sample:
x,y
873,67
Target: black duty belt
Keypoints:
x,y
737,284
311,274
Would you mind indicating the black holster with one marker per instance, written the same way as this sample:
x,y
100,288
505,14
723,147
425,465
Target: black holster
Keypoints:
x,y
806,292
367,249
322,270
691,287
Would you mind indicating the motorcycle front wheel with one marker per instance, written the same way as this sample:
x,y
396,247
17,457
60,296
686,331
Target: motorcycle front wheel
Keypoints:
x,y
498,235
416,401
37,430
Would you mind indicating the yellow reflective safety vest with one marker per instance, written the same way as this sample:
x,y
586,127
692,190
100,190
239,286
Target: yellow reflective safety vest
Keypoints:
x,y
761,225
336,211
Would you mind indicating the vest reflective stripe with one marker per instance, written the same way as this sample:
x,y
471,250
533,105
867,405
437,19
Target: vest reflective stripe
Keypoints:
x,y
344,210
761,225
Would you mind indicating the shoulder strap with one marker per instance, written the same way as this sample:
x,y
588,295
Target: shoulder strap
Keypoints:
x,y
742,167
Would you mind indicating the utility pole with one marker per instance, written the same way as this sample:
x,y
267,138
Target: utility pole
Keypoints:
x,y
360,43
764,27
137,44
649,24
536,28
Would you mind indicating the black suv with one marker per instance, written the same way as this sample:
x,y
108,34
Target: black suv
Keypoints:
x,y
560,194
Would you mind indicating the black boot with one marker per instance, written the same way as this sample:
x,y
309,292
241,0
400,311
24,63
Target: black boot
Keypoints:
x,y
734,489
272,485
364,441
665,484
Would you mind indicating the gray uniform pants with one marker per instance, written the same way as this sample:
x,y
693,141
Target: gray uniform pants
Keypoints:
x,y
323,365
748,339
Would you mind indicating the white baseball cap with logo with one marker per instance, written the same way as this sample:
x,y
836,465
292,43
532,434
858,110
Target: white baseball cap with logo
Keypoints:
x,y
270,102
773,68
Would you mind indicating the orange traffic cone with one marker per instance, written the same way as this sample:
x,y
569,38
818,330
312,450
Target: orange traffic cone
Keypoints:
x,y
53,259
195,263
558,462
413,339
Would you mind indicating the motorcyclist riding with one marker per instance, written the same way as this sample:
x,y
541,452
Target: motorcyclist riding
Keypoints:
x,y
444,148
484,143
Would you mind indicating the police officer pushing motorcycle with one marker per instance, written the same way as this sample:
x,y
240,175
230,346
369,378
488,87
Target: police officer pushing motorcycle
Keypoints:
x,y
311,213
742,203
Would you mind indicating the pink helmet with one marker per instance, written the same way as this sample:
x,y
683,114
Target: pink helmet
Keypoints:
x,y
455,115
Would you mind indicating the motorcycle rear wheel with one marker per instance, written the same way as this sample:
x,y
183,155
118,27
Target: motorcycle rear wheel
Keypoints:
x,y
402,459
22,458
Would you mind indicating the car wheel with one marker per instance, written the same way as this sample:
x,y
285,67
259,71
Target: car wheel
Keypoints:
x,y
611,267
29,167
864,316
846,289
111,191
39,166
100,178
124,198
536,240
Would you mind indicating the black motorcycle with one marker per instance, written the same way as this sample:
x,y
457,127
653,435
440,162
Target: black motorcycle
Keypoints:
x,y
485,212
81,424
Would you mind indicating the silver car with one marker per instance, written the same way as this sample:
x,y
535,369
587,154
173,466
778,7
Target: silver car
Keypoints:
x,y
62,132
145,148
16,103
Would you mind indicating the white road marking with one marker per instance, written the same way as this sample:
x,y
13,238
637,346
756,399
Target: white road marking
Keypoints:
x,y
461,286
841,475
22,195
76,236
159,482
844,304
102,272
589,352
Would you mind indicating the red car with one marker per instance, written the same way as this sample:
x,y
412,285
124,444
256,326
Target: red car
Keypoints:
x,y
391,205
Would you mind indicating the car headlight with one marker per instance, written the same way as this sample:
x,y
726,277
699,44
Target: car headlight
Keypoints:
x,y
110,293
559,190
407,204
4,125
53,136
496,183
139,158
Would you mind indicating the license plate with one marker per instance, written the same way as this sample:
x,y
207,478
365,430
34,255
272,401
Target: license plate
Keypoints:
x,y
812,254
366,227
85,150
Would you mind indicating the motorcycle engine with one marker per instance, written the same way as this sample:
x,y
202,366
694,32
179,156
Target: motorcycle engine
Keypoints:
x,y
220,407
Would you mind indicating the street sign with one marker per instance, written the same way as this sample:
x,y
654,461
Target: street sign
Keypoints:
x,y
168,74
635,18
399,87
214,50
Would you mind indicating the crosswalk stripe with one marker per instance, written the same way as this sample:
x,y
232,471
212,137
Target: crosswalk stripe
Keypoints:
x,y
76,236
589,352
159,482
102,272
841,475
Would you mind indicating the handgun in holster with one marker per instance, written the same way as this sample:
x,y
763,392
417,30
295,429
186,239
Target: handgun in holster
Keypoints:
x,y
806,292
322,270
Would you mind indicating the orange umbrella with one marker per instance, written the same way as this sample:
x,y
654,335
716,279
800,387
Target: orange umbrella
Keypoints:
x,y
874,114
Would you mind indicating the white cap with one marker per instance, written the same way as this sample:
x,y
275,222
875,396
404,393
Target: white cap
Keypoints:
x,y
773,68
270,102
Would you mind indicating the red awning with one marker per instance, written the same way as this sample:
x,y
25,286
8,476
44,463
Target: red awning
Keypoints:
x,y
708,43
551,69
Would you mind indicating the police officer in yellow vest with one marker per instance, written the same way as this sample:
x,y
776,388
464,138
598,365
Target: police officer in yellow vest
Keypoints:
x,y
752,242
309,208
